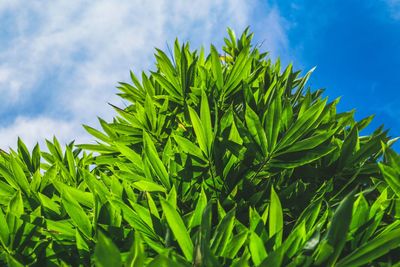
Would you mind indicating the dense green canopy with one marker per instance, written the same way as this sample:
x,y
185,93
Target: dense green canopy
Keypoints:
x,y
221,159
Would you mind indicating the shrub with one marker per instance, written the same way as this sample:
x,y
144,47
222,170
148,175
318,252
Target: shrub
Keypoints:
x,y
218,160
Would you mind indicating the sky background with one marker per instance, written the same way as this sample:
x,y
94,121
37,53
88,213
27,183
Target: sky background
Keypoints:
x,y
60,61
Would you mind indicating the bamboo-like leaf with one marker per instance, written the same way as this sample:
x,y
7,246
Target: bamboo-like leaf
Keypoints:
x,y
81,243
77,213
149,186
136,255
199,131
23,151
135,221
71,161
167,86
14,211
130,154
205,118
240,68
96,133
223,233
256,130
188,147
295,160
216,68
275,218
257,249
273,123
4,230
49,204
372,250
349,147
150,112
36,158
156,163
195,220
302,124
84,198
391,177
106,253
337,232
19,175
236,243
307,143
13,262
178,228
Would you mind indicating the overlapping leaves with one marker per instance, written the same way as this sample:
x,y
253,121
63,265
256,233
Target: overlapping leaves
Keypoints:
x,y
218,160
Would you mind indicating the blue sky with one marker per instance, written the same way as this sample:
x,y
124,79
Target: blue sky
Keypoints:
x,y
61,60
356,48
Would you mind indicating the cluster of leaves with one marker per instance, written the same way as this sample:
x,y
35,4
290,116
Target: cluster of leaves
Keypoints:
x,y
218,160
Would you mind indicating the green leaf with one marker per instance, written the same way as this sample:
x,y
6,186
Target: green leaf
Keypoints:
x,y
275,218
195,220
205,118
106,254
188,147
13,262
96,133
14,211
223,233
257,249
36,158
307,143
19,175
199,131
152,206
178,228
63,229
150,112
71,161
240,69
49,204
235,244
275,258
136,222
302,124
149,186
391,176
23,151
81,243
293,160
159,168
203,254
84,198
8,176
256,130
349,147
77,214
216,68
272,123
136,256
164,261
339,226
372,250
130,154
175,95
4,230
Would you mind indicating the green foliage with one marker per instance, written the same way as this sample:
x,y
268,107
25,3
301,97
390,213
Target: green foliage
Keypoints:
x,y
218,160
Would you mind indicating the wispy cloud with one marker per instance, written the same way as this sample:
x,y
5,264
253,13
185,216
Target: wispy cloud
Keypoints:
x,y
30,128
394,8
64,58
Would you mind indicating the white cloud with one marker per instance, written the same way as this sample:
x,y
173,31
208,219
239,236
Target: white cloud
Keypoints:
x,y
79,50
394,8
30,128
